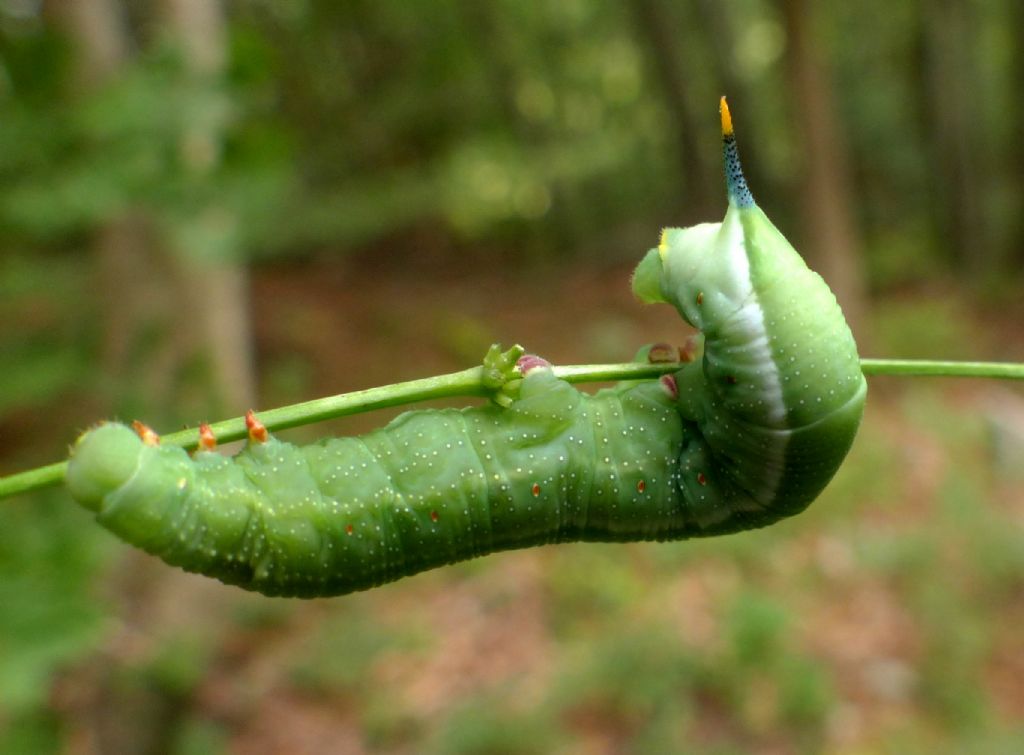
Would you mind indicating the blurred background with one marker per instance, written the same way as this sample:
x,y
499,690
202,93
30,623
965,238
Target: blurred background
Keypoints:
x,y
207,205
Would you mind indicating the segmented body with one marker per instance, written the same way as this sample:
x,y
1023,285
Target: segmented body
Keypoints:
x,y
750,432
431,488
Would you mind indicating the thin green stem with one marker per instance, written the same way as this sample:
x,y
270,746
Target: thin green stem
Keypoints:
x,y
470,383
32,479
928,368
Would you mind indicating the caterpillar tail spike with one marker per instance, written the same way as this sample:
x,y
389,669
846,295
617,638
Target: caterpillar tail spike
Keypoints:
x,y
735,181
750,431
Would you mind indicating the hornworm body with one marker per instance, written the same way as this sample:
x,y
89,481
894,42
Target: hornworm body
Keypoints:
x,y
431,488
749,433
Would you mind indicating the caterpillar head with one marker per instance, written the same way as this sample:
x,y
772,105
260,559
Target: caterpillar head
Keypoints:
x,y
102,460
711,270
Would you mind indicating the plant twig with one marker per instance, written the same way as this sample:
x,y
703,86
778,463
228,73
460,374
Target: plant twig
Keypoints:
x,y
469,383
930,368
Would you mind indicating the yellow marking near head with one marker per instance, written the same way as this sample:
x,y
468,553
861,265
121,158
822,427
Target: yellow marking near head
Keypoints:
x,y
663,243
723,108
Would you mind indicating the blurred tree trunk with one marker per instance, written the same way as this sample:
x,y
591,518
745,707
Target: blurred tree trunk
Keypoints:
x,y
215,291
102,45
701,182
145,290
102,48
949,70
98,30
1014,258
831,244
196,306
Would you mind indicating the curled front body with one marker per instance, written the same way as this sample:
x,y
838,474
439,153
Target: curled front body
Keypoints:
x,y
774,404
432,488
777,399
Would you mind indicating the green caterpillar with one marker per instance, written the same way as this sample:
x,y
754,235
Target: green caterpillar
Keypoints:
x,y
749,432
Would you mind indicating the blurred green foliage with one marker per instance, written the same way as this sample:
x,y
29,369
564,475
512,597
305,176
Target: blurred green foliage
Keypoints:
x,y
51,615
542,141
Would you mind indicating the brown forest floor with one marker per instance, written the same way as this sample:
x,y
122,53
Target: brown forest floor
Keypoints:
x,y
885,618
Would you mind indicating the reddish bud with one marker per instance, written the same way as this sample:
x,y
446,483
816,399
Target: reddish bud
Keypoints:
x,y
149,437
257,430
527,363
